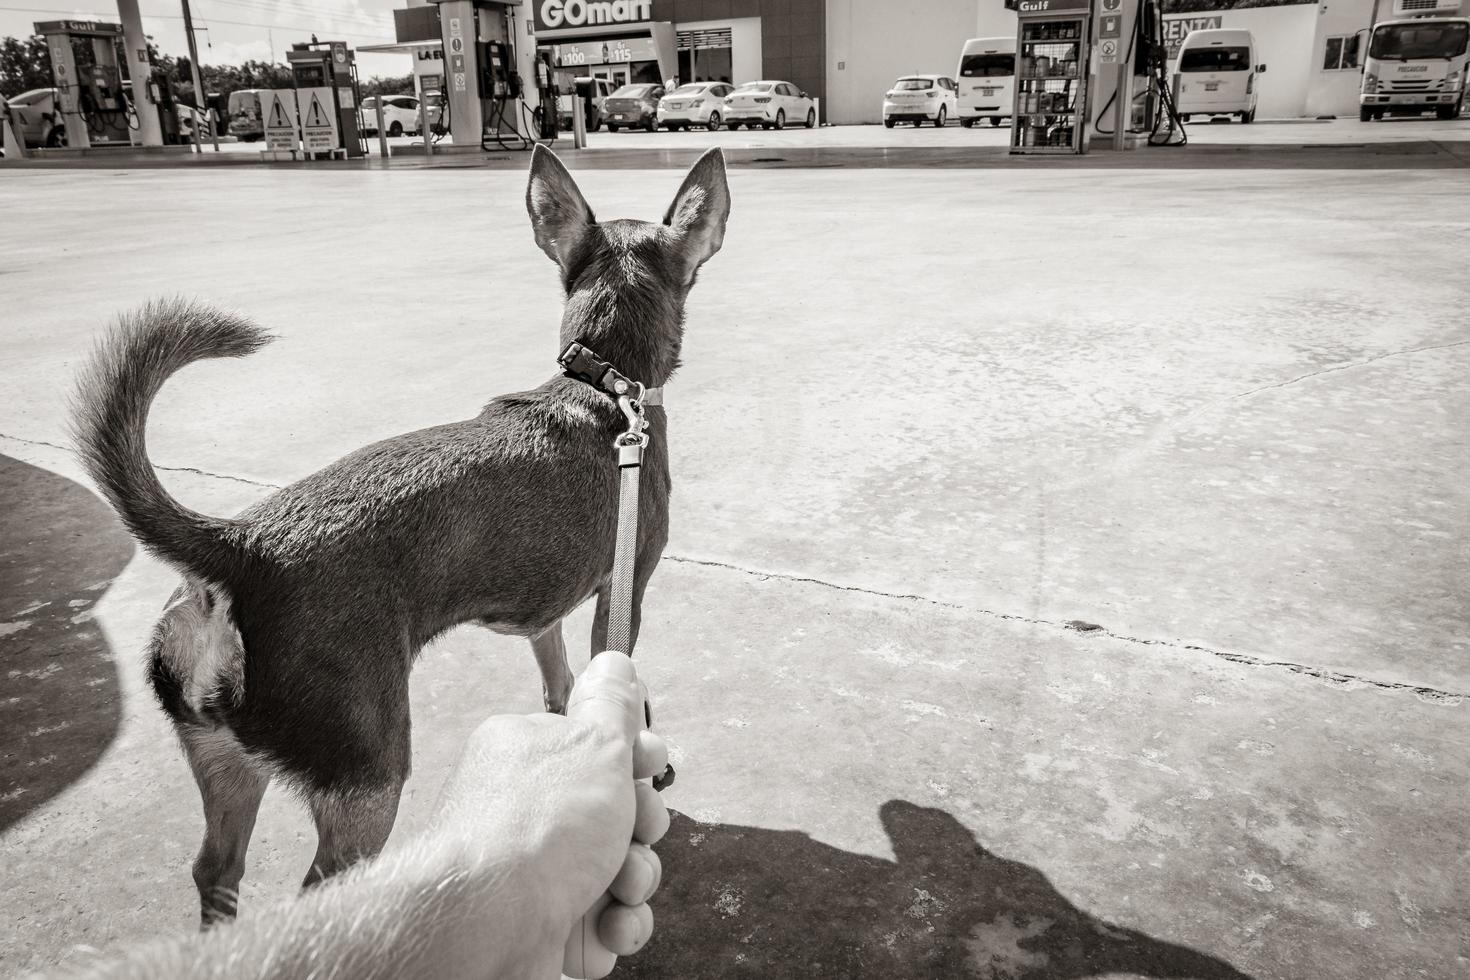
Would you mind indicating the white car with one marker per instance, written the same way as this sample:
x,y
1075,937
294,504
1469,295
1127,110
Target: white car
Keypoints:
x,y
695,104
400,115
921,98
37,123
770,105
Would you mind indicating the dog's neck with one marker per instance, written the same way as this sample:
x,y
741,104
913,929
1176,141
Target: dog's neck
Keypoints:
x,y
637,335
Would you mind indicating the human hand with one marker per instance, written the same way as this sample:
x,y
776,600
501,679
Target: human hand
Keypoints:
x,y
557,798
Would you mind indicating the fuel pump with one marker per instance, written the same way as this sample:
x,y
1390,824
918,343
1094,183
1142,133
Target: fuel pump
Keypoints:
x,y
90,96
325,75
547,92
161,93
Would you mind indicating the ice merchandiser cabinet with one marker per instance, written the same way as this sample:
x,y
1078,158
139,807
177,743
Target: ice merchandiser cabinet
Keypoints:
x,y
1051,76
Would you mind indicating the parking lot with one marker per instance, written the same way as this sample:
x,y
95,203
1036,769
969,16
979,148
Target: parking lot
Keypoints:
x,y
1065,575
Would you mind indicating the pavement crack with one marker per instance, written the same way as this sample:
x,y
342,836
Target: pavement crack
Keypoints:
x,y
1333,369
71,450
1431,695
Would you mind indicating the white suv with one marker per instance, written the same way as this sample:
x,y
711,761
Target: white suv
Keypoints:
x,y
921,98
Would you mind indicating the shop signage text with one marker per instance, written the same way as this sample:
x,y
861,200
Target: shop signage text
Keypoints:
x,y
552,14
570,54
1177,28
1034,8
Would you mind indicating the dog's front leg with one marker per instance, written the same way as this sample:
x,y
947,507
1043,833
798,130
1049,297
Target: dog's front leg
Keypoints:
x,y
556,676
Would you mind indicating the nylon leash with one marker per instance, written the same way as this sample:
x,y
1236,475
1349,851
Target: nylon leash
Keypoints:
x,y
629,446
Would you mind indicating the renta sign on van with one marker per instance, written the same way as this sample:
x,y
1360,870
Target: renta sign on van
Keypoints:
x,y
1177,28
553,14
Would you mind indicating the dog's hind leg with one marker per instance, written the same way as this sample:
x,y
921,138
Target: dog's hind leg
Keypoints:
x,y
231,785
351,825
556,676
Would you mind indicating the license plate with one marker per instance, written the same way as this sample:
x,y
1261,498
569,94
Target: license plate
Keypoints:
x,y
987,92
676,105
1212,86
617,115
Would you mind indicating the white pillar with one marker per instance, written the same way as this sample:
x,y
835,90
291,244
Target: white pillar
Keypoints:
x,y
135,50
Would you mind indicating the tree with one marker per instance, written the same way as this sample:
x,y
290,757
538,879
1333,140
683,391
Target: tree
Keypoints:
x,y
392,85
24,64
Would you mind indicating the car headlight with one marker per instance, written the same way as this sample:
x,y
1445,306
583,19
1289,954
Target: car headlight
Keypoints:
x,y
1370,82
1454,81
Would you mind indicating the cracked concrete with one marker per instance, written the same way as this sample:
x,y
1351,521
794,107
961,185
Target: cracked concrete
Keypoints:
x,y
902,497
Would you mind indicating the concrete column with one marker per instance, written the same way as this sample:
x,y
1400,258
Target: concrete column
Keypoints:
x,y
461,72
135,46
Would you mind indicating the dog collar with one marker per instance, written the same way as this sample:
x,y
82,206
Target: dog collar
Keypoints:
x,y
584,365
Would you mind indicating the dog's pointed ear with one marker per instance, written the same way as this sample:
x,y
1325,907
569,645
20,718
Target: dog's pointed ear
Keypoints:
x,y
559,214
700,210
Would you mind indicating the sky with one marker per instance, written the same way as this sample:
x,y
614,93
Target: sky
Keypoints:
x,y
232,31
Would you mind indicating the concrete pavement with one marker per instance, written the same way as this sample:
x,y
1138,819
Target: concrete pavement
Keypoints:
x,y
1066,576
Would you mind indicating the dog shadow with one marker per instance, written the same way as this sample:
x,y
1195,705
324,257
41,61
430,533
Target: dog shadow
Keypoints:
x,y
60,706
741,901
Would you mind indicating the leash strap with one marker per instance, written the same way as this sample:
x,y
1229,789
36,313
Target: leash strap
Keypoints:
x,y
620,609
583,364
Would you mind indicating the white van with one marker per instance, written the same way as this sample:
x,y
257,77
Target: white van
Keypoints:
x,y
987,80
1217,74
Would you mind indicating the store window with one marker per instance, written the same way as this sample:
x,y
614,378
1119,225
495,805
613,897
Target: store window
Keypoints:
x,y
1341,53
704,55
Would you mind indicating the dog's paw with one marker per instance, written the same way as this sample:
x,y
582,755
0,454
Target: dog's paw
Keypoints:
x,y
664,779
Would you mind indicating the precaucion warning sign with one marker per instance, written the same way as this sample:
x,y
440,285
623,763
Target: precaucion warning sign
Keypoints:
x,y
318,119
279,106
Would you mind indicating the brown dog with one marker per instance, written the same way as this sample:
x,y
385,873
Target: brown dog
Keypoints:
x,y
286,650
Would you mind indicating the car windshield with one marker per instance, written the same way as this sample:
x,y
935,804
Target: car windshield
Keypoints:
x,y
633,92
989,65
32,97
755,87
1215,58
912,84
692,89
1409,42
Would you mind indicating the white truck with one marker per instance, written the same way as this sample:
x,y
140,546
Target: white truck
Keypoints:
x,y
1416,62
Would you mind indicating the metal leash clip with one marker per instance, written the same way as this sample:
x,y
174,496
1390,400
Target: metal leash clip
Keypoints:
x,y
630,444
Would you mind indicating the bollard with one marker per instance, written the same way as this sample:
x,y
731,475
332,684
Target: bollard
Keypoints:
x,y
579,121
382,136
12,147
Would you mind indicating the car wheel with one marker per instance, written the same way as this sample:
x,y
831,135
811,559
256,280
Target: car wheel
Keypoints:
x,y
889,123
811,118
57,137
1378,113
766,126
780,118
1184,118
395,128
611,128
1365,114
733,126
966,123
1246,118
713,125
1446,111
651,125
995,120
939,120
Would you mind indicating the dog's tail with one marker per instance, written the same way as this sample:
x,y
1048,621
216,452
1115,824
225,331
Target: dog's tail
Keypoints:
x,y
110,411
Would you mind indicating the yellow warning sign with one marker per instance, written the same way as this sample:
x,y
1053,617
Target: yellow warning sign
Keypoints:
x,y
280,119
318,119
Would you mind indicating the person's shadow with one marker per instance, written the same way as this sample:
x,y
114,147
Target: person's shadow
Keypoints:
x,y
60,548
741,901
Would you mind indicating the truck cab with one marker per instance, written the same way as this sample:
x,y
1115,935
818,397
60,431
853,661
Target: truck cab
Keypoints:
x,y
1416,64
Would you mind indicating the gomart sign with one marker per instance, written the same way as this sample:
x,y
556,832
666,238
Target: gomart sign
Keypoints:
x,y
1176,29
552,14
